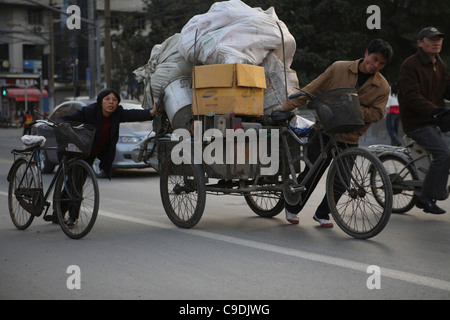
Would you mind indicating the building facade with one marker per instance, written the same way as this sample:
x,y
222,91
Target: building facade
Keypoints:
x,y
33,31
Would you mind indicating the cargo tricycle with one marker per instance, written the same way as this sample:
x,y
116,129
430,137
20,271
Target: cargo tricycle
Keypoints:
x,y
191,167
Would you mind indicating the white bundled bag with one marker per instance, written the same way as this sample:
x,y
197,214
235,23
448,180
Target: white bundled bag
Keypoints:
x,y
275,93
164,65
233,32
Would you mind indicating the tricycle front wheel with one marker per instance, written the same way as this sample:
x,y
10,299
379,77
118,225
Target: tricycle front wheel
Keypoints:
x,y
183,193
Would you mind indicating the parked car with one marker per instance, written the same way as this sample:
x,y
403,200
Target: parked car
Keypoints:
x,y
130,134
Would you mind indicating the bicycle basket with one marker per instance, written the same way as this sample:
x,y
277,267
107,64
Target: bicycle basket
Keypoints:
x,y
338,110
74,138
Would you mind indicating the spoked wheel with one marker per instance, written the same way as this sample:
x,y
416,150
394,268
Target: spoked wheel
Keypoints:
x,y
404,197
183,193
355,180
266,204
76,199
20,193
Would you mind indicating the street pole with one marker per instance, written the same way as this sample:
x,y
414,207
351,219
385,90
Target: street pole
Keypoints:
x,y
108,44
91,48
51,78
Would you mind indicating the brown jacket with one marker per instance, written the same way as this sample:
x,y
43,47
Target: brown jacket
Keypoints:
x,y
373,95
422,89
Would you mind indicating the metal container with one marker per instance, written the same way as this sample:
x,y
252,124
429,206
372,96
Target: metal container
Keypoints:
x,y
178,102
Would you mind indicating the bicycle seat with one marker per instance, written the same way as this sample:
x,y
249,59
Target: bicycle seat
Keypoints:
x,y
281,116
31,141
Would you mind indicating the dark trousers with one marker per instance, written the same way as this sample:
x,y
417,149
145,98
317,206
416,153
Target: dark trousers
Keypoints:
x,y
314,151
436,180
392,124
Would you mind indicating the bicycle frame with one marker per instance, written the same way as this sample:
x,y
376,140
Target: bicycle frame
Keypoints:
x,y
34,158
318,163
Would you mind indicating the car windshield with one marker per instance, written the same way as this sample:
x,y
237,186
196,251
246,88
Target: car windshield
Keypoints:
x,y
141,127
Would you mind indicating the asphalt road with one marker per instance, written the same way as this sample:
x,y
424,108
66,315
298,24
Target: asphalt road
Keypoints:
x,y
135,252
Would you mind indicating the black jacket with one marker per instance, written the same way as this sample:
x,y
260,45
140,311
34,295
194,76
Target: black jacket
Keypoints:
x,y
92,114
422,89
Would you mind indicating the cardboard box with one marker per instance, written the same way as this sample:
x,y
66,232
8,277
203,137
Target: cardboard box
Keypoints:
x,y
222,88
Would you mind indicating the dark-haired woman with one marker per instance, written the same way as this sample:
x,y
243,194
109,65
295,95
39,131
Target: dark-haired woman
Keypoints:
x,y
106,115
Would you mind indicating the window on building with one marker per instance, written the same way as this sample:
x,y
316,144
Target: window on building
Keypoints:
x,y
35,16
4,57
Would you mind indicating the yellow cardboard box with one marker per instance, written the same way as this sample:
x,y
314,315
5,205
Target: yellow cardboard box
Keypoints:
x,y
222,88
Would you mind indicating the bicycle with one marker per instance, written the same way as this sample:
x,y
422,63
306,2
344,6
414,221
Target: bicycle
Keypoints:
x,y
355,177
407,167
76,192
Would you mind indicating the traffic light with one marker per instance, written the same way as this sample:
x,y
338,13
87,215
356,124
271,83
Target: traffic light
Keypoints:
x,y
4,92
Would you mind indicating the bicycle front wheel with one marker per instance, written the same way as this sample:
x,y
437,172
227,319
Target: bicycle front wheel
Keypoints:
x,y
401,175
355,181
23,185
76,199
183,193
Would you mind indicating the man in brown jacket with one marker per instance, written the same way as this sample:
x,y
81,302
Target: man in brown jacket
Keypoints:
x,y
373,91
423,84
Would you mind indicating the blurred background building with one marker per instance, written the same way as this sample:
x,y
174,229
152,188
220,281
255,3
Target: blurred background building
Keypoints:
x,y
36,46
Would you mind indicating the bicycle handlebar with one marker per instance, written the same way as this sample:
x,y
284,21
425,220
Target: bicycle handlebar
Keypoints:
x,y
47,122
441,114
301,93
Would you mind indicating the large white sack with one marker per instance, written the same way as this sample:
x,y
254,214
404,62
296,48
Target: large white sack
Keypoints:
x,y
275,92
164,65
233,32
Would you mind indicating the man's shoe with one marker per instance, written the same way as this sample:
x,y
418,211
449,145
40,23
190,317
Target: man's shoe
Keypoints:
x,y
71,222
291,217
429,207
324,223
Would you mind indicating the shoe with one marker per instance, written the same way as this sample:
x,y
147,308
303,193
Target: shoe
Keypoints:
x,y
291,217
71,222
429,207
324,223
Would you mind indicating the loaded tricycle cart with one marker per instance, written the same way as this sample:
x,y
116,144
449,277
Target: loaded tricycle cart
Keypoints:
x,y
259,158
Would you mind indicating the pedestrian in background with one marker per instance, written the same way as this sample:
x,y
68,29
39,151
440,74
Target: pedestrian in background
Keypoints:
x,y
27,120
393,116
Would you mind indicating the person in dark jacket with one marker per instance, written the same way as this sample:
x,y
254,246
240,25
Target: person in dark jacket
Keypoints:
x,y
106,115
424,82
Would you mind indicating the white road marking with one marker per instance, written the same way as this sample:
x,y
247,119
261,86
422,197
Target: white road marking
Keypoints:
x,y
342,263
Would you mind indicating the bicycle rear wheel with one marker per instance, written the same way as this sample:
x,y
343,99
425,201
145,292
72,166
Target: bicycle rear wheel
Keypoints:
x,y
22,186
77,199
355,180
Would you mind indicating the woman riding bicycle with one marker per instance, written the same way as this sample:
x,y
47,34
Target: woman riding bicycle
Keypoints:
x,y
373,91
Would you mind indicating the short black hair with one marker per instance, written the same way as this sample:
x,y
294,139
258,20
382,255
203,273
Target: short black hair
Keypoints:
x,y
381,46
106,92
